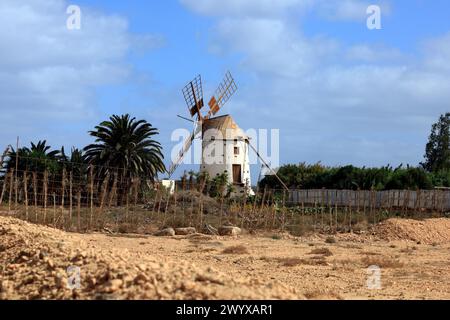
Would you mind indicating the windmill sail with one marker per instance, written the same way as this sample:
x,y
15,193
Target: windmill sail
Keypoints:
x,y
193,95
223,93
186,145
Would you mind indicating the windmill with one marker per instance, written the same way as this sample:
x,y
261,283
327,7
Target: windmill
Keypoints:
x,y
218,133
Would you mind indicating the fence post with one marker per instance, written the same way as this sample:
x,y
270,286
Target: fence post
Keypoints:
x,y
11,185
45,182
63,191
113,190
104,189
79,210
175,189
91,191
349,201
25,186
54,209
283,208
70,197
336,210
35,191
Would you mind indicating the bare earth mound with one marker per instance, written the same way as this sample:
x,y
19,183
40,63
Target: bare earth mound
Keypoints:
x,y
34,261
431,231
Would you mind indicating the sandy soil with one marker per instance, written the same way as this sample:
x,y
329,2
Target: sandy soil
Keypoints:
x,y
34,260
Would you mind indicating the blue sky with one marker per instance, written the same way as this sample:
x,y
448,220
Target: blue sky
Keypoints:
x,y
338,92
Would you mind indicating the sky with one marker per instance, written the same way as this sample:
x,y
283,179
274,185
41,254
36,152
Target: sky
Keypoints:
x,y
338,92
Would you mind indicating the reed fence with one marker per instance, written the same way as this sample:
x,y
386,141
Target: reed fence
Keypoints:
x,y
98,198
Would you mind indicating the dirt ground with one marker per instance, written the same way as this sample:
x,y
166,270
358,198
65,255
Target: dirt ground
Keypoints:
x,y
414,265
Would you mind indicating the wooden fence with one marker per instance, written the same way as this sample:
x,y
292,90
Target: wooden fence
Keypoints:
x,y
433,200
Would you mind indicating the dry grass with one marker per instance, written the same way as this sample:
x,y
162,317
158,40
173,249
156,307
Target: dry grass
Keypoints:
x,y
346,264
240,249
200,249
322,251
353,246
320,295
371,253
330,240
361,226
408,250
382,262
292,262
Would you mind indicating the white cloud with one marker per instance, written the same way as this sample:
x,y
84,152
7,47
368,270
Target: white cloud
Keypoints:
x,y
353,10
370,53
437,52
247,8
366,103
271,47
49,74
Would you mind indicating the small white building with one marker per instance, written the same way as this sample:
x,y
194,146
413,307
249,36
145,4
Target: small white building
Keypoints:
x,y
225,149
169,185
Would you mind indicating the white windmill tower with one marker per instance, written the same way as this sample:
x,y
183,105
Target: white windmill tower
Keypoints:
x,y
224,145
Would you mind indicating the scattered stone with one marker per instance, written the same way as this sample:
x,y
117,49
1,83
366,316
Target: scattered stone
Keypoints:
x,y
229,231
50,263
38,270
113,285
107,230
140,278
167,232
209,229
185,231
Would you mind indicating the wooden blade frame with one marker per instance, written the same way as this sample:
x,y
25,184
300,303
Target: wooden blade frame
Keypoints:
x,y
223,93
186,145
193,95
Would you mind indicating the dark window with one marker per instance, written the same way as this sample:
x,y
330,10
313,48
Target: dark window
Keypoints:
x,y
236,151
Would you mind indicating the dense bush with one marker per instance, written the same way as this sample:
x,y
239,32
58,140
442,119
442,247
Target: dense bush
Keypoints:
x,y
317,176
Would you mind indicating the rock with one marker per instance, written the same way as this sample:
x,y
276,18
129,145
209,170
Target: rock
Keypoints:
x,y
91,281
108,230
229,231
209,229
140,278
185,231
6,286
42,254
60,281
142,267
167,232
50,263
113,285
127,280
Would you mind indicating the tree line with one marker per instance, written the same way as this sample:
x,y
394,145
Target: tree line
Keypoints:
x,y
433,172
123,146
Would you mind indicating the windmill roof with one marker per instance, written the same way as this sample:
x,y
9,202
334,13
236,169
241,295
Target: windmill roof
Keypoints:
x,y
223,124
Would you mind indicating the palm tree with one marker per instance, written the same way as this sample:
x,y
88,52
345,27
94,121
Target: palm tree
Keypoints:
x,y
126,144
37,158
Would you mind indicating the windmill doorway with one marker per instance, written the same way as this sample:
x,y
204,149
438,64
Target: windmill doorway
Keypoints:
x,y
237,178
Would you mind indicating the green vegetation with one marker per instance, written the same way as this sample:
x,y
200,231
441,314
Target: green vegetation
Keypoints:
x,y
437,152
434,172
317,176
127,144
122,142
